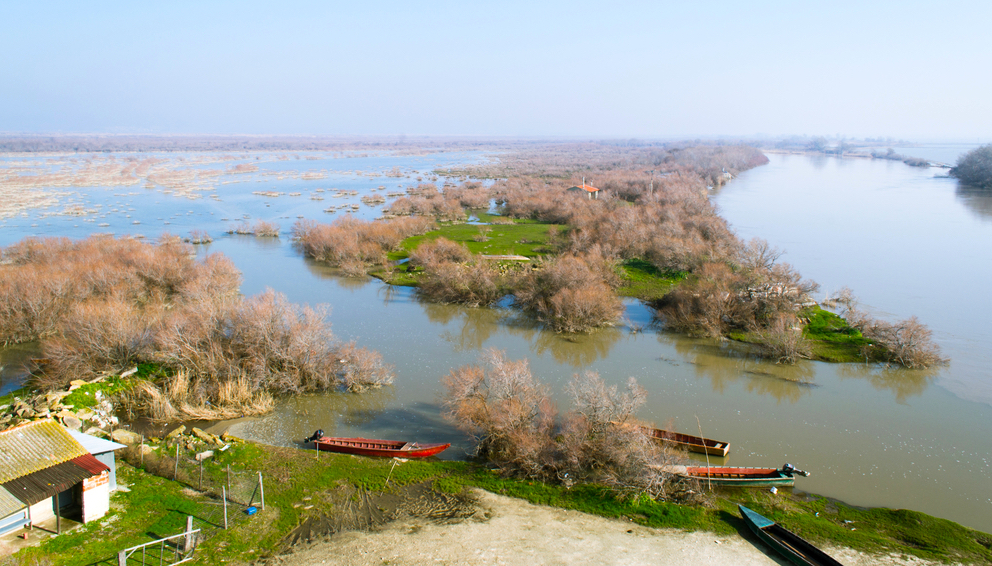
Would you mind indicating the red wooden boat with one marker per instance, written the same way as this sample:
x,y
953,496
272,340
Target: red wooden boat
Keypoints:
x,y
746,477
372,447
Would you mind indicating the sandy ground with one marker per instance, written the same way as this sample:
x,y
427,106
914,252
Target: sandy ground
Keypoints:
x,y
512,531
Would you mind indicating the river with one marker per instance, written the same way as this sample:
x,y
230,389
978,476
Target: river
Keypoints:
x,y
905,241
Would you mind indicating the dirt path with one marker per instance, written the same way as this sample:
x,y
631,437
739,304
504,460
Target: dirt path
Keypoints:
x,y
510,531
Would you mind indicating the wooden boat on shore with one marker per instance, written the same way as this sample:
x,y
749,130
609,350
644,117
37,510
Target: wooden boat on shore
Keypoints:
x,y
745,477
689,442
373,447
790,545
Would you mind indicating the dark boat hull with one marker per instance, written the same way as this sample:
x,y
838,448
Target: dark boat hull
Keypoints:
x,y
382,448
691,443
790,545
741,477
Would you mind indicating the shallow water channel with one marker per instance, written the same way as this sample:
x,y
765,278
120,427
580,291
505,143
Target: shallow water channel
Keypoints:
x,y
868,435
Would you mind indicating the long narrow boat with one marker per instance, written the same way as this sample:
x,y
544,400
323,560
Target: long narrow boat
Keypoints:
x,y
373,447
790,545
689,442
746,477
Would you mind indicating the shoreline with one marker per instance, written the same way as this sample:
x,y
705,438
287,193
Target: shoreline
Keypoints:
x,y
506,530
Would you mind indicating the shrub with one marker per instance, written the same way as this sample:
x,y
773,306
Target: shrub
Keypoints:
x,y
477,283
507,411
104,304
356,245
975,167
440,250
516,428
908,343
569,294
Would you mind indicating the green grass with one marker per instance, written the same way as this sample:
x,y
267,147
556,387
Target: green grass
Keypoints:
x,y
158,507
642,280
524,237
874,530
154,508
833,339
19,393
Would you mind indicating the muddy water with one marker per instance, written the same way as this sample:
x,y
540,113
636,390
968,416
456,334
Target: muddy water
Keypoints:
x,y
869,436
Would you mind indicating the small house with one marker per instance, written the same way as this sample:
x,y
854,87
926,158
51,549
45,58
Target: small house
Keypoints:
x,y
46,473
589,191
102,450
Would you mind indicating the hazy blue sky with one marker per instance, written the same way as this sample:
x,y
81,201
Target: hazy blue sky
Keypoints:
x,y
618,69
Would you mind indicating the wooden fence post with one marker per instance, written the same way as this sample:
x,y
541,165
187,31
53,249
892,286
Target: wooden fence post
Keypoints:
x,y
224,493
188,541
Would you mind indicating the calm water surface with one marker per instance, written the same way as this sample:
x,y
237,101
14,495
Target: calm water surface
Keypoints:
x,y
870,436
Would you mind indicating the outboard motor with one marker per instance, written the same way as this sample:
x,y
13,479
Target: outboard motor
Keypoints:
x,y
316,436
789,470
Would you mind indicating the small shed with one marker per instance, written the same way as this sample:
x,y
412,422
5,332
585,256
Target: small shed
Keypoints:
x,y
589,191
46,470
101,449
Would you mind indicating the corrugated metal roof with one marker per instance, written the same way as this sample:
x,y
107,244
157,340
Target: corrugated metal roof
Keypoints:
x,y
8,503
34,446
89,463
94,444
43,484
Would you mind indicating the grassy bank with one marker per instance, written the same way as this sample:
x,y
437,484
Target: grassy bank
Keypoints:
x,y
528,238
642,280
831,338
302,490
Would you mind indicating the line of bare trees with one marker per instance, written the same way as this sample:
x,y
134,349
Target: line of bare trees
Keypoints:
x,y
517,428
104,304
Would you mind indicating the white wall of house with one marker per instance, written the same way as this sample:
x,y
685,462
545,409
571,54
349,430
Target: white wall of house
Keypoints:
x,y
96,497
44,509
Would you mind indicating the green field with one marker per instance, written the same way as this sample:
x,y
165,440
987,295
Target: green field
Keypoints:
x,y
524,237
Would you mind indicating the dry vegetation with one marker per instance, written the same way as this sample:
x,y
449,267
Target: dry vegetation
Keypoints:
x,y
356,245
908,343
516,426
260,228
104,304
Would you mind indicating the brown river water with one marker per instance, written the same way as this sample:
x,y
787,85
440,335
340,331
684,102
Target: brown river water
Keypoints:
x,y
906,242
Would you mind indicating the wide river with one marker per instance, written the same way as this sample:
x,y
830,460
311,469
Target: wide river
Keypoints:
x,y
907,242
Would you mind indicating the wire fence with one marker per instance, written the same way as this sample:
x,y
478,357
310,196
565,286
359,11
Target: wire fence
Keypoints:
x,y
225,495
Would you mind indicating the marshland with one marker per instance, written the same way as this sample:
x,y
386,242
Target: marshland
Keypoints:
x,y
282,313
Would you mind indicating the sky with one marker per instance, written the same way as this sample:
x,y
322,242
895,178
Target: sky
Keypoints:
x,y
648,70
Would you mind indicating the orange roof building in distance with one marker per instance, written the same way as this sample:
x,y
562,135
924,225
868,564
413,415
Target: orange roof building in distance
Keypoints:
x,y
590,191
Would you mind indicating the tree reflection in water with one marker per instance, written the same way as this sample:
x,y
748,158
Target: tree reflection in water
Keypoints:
x,y
724,363
479,325
903,383
302,414
978,201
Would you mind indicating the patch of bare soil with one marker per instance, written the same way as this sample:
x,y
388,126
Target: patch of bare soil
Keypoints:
x,y
485,528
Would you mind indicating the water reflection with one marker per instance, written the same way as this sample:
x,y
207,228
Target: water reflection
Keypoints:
x,y
297,416
475,328
903,383
726,363
578,350
978,201
16,365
